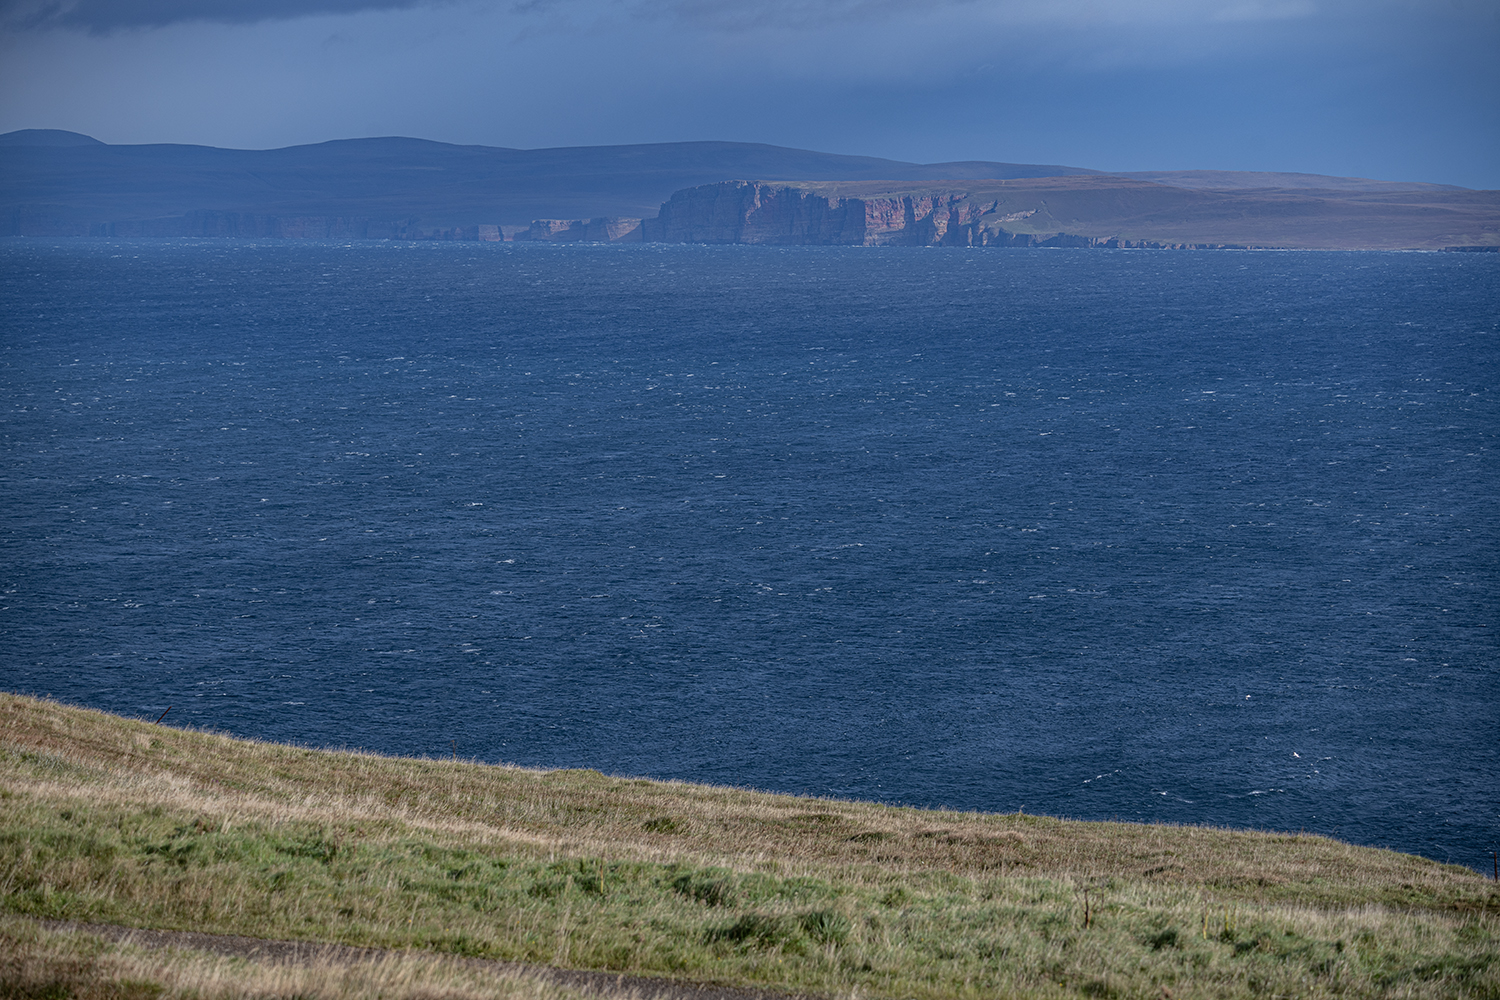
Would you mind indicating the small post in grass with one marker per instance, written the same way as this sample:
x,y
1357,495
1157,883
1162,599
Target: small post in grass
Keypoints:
x,y
162,716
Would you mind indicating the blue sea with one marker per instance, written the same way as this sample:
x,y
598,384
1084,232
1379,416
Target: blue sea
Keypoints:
x,y
1196,537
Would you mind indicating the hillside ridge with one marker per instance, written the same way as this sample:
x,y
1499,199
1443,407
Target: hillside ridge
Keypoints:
x,y
55,183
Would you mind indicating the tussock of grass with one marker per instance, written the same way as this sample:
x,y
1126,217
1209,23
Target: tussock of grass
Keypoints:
x,y
112,820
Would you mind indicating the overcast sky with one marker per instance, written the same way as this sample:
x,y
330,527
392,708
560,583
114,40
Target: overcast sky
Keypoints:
x,y
1391,89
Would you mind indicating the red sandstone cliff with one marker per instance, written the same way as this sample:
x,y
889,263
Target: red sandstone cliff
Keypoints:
x,y
756,212
865,215
1094,211
604,230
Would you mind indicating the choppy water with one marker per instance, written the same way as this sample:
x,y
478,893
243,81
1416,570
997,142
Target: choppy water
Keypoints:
x,y
1200,537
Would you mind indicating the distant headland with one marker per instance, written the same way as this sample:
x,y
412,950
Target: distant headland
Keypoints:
x,y
58,183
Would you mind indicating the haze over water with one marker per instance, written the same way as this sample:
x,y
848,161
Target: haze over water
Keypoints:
x,y
1195,537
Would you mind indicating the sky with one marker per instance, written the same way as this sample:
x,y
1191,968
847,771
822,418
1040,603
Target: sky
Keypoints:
x,y
1388,89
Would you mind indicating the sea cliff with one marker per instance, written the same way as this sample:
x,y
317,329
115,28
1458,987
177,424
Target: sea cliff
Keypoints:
x,y
603,230
833,215
755,212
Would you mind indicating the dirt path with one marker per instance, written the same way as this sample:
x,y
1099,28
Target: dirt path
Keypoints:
x,y
297,952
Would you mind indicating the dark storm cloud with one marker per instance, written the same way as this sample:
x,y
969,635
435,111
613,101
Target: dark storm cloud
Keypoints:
x,y
105,16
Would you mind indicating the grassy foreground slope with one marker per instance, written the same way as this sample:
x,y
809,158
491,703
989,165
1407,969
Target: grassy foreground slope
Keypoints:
x,y
112,820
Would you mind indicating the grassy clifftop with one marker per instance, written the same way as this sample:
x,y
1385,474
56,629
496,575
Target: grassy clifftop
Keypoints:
x,y
113,820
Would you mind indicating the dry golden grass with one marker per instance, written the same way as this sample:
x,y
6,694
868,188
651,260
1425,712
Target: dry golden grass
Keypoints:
x,y
584,812
116,820
36,964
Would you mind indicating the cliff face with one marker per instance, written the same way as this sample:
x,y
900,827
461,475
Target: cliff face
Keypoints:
x,y
1099,211
753,212
803,215
748,212
604,230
